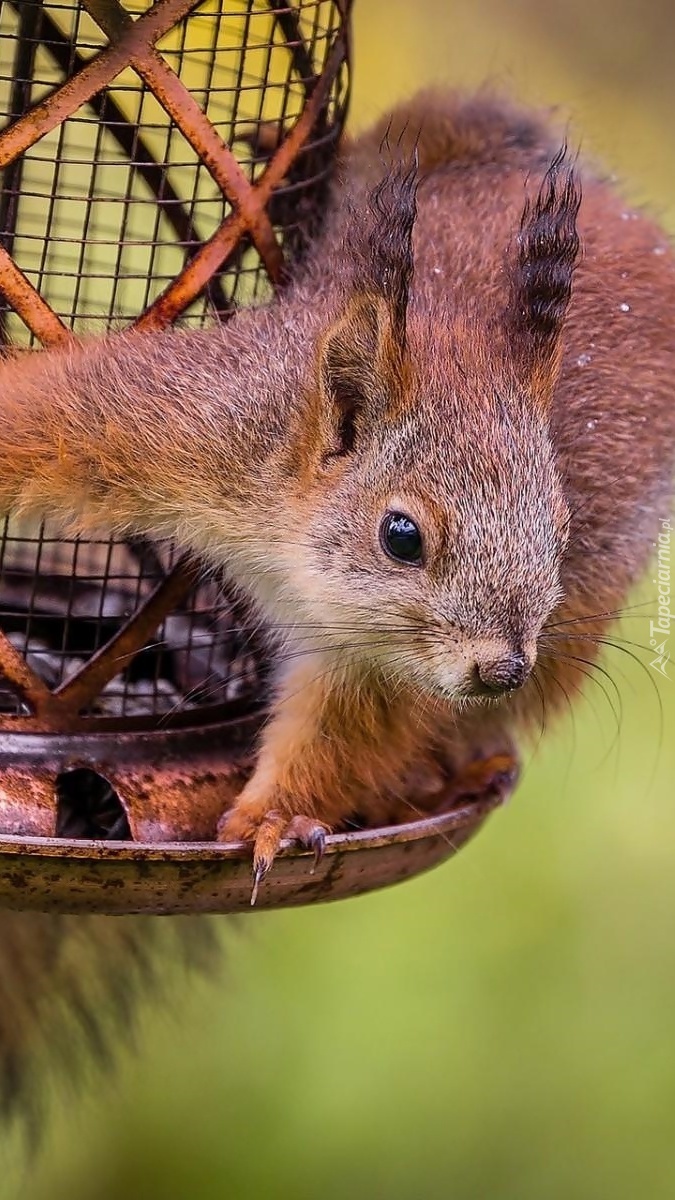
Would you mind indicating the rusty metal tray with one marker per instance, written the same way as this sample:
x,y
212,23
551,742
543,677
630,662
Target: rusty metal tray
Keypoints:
x,y
114,878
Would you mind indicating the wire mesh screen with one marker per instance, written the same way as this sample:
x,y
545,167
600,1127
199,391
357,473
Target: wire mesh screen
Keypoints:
x,y
65,601
102,212
160,161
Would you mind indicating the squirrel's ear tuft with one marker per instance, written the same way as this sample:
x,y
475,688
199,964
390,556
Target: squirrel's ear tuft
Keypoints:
x,y
357,356
388,259
548,251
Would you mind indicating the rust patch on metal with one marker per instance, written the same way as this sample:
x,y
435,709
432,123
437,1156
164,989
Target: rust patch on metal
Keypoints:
x,y
27,801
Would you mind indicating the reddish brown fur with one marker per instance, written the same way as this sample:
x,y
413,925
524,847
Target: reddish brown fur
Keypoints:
x,y
531,439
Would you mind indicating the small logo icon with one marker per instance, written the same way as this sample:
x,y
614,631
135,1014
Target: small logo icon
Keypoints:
x,y
660,662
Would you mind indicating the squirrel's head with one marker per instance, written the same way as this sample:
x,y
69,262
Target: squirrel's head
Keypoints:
x,y
437,542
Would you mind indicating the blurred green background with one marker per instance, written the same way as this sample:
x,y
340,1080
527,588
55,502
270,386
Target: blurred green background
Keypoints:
x,y
504,1027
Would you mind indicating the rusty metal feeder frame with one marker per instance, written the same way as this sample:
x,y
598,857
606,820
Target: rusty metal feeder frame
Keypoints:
x,y
130,686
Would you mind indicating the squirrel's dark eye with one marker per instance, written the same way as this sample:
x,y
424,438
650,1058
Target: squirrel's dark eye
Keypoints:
x,y
401,539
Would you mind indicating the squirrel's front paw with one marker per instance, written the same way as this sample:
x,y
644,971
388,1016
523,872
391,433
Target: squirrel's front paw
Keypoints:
x,y
252,819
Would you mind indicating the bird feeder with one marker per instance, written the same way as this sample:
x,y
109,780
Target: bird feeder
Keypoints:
x,y
161,162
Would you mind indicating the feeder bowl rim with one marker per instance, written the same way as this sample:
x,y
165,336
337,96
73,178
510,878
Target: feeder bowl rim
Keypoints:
x,y
438,825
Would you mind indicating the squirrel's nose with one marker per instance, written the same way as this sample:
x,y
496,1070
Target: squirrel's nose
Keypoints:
x,y
502,674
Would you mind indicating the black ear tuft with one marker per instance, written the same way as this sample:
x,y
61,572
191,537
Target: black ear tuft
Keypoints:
x,y
548,250
388,259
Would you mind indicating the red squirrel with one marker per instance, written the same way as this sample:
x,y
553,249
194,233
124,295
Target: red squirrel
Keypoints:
x,y
436,464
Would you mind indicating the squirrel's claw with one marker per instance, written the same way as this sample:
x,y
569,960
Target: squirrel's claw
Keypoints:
x,y
267,834
310,834
265,847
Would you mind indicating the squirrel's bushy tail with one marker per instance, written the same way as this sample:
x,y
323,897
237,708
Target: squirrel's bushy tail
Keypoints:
x,y
69,988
